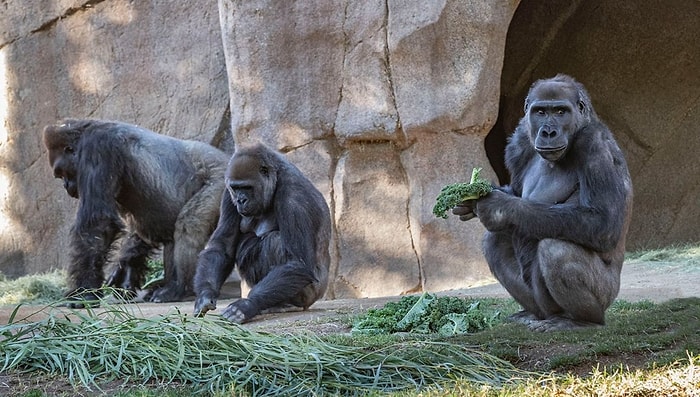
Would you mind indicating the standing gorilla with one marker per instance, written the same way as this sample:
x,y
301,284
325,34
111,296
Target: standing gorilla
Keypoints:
x,y
275,226
166,190
556,235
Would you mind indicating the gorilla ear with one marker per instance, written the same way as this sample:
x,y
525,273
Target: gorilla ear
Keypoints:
x,y
527,104
581,107
584,101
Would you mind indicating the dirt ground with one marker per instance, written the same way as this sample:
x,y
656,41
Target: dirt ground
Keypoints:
x,y
655,281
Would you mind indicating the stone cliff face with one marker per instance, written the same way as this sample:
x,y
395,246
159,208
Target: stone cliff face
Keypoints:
x,y
380,103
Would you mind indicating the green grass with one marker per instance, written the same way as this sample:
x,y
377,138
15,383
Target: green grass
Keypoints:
x,y
651,334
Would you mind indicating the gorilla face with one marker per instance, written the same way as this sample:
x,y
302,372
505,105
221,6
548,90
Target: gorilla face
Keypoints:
x,y
63,158
251,184
552,113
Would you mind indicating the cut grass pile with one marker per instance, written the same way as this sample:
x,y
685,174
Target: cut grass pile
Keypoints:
x,y
688,256
91,347
39,289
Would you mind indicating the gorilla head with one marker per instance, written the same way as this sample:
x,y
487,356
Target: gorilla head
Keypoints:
x,y
251,179
62,143
556,109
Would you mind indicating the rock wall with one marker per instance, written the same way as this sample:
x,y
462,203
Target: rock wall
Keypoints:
x,y
380,103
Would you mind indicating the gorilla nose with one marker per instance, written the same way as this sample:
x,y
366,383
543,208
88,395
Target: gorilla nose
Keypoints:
x,y
548,132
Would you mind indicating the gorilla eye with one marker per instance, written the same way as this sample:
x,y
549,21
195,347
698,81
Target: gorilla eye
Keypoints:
x,y
264,170
68,150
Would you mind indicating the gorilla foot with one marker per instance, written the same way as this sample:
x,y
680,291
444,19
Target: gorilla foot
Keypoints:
x,y
523,317
123,294
560,324
241,311
82,299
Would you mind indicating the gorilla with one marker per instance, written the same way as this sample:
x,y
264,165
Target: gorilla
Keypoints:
x,y
275,227
161,191
556,235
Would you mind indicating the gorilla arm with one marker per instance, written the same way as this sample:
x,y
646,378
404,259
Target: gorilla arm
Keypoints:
x,y
300,221
217,259
97,223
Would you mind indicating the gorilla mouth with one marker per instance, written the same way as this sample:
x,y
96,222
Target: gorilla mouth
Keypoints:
x,y
551,154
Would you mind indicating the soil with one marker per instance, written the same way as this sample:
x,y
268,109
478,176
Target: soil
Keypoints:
x,y
654,281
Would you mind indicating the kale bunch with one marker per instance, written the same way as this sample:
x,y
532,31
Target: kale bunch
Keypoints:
x,y
428,314
453,194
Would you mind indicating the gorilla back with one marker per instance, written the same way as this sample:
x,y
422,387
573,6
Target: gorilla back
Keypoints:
x,y
162,190
275,227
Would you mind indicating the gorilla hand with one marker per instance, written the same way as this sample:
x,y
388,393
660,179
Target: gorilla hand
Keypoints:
x,y
82,298
126,280
116,279
493,210
205,302
465,210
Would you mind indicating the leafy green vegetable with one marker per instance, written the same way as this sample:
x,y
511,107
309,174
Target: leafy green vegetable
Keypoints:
x,y
453,194
428,313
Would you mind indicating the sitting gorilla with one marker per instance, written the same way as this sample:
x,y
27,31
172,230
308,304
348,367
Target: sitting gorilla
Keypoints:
x,y
556,235
166,190
275,226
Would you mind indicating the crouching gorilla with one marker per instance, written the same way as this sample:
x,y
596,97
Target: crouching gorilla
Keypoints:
x,y
556,235
275,227
166,190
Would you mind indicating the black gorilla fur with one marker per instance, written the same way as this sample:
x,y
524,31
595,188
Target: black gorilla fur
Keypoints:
x,y
275,226
166,190
556,235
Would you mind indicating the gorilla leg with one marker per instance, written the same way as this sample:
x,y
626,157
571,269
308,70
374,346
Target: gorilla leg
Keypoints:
x,y
132,267
274,278
579,286
192,230
500,255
